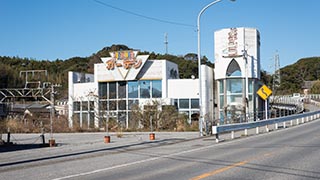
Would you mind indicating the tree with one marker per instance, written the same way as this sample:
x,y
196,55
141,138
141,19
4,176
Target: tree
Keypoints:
x,y
315,89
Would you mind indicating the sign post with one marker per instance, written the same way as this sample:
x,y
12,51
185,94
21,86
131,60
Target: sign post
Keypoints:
x,y
264,92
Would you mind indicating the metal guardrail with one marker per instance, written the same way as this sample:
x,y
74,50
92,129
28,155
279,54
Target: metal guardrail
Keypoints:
x,y
299,118
288,102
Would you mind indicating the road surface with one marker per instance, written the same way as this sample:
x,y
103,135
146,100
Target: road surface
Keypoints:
x,y
291,153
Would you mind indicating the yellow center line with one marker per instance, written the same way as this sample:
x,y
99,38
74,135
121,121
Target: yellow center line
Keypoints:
x,y
212,173
217,171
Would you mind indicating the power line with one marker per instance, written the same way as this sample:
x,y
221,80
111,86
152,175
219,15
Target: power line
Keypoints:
x,y
143,16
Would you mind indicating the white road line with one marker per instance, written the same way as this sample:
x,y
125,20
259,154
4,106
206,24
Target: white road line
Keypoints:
x,y
174,154
133,163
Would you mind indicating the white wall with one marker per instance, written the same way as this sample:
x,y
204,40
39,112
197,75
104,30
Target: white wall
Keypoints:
x,y
245,39
183,88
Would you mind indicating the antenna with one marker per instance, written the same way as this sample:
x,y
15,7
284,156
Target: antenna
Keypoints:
x,y
276,75
166,41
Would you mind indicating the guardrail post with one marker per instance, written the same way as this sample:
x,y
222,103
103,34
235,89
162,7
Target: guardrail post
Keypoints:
x,y
267,128
8,136
42,136
215,131
291,122
246,132
257,130
276,126
284,125
217,138
302,120
297,121
232,134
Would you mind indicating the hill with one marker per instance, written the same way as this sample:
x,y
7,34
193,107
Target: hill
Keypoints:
x,y
293,76
58,70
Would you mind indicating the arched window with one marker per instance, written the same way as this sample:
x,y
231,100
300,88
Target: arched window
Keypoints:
x,y
233,69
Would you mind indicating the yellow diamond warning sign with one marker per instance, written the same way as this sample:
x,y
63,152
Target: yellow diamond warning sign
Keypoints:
x,y
264,92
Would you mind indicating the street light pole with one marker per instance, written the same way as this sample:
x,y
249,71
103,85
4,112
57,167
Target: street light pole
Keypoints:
x,y
199,65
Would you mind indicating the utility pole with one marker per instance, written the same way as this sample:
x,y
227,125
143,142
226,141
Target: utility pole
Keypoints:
x,y
52,113
276,76
166,41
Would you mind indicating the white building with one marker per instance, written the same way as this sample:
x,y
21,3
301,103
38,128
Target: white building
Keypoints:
x,y
125,79
237,73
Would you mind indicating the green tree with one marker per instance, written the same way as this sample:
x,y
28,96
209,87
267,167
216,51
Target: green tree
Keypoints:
x,y
315,89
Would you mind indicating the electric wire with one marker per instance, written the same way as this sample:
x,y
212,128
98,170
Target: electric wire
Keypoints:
x,y
143,16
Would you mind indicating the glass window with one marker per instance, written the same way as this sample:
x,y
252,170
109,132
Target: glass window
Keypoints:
x,y
133,89
221,85
91,125
76,106
194,103
233,69
236,73
234,85
144,89
234,98
250,86
85,120
132,103
91,105
112,105
184,103
156,89
122,105
221,98
122,118
112,90
84,105
103,90
122,90
103,105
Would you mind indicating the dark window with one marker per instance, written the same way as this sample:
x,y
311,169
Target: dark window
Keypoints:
x,y
103,90
76,106
194,103
122,89
184,103
112,90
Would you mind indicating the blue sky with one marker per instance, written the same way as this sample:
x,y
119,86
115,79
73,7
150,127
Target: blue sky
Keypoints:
x,y
61,29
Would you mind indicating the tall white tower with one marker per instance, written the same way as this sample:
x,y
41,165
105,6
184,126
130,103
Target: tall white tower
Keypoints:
x,y
237,72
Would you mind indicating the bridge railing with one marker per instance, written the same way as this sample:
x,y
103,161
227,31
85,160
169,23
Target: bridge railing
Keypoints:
x,y
287,100
293,120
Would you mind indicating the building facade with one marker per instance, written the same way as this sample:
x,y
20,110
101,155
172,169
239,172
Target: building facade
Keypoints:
x,y
126,79
237,74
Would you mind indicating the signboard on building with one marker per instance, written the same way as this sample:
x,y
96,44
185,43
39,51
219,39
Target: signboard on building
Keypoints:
x,y
124,65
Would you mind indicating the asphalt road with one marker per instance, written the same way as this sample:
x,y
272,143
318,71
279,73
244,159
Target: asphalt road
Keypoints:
x,y
291,153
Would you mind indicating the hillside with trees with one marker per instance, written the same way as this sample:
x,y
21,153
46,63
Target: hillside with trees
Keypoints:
x,y
58,69
292,77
